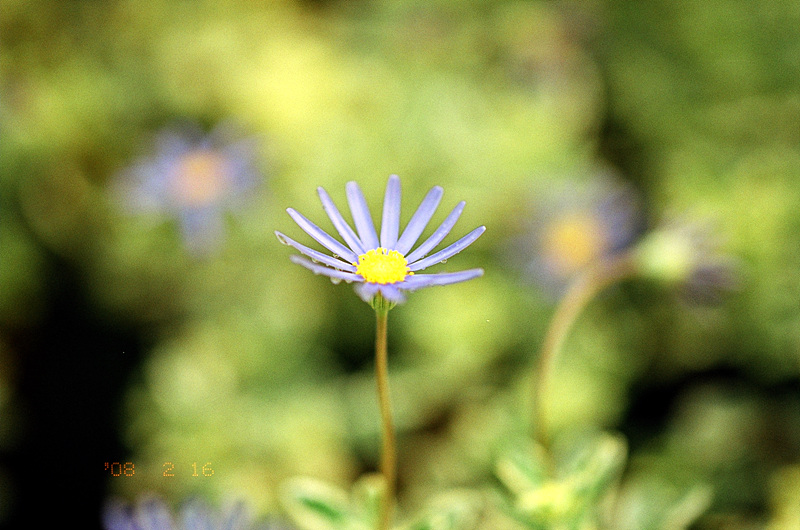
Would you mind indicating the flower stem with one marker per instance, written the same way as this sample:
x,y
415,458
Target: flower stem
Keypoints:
x,y
577,297
388,455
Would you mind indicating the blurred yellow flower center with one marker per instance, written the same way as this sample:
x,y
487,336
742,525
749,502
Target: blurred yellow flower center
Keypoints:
x,y
200,177
382,266
574,242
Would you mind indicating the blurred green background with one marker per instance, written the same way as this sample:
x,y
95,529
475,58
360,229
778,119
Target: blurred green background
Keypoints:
x,y
118,344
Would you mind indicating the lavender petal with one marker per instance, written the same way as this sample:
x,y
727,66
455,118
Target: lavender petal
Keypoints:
x,y
361,216
153,513
451,250
392,293
438,235
117,516
339,223
367,291
390,222
326,271
316,255
419,281
321,236
419,220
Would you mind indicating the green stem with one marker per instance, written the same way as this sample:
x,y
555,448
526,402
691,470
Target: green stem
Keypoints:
x,y
388,455
580,293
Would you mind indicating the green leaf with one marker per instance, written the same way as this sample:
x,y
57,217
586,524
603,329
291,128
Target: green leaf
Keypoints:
x,y
522,467
654,504
315,505
368,494
688,508
599,467
451,511
567,497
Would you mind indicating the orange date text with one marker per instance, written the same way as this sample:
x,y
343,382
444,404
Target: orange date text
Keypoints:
x,y
168,469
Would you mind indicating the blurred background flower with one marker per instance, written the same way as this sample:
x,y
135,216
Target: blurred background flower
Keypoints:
x,y
575,226
119,345
194,178
152,513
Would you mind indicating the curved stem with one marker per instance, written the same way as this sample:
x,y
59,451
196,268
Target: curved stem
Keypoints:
x,y
577,297
388,455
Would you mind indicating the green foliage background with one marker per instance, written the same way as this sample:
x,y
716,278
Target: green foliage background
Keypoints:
x,y
264,370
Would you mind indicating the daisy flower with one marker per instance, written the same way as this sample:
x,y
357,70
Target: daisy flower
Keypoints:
x,y
195,178
382,265
576,229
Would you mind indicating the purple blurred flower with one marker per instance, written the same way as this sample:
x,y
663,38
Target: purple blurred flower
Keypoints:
x,y
151,513
384,265
194,177
575,228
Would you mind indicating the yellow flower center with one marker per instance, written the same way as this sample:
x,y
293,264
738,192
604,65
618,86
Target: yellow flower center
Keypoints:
x,y
574,242
382,266
200,177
